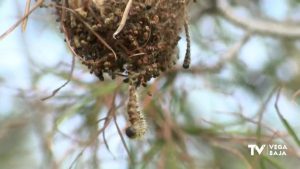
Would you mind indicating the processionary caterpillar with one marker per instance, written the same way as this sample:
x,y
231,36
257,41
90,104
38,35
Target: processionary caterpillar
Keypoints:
x,y
138,124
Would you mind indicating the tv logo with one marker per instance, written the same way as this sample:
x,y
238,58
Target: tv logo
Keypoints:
x,y
270,149
255,147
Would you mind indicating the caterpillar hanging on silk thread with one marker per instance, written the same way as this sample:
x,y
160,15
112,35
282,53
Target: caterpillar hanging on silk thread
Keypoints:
x,y
132,39
138,124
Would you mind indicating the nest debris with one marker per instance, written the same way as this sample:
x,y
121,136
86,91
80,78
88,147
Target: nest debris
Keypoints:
x,y
144,47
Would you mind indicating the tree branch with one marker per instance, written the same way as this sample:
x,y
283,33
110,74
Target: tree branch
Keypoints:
x,y
257,25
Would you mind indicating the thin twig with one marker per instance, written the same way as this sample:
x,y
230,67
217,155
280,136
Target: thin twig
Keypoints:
x,y
68,136
257,25
14,26
295,95
63,85
121,135
233,151
124,18
27,9
77,157
72,67
89,28
106,123
284,121
105,143
260,114
110,113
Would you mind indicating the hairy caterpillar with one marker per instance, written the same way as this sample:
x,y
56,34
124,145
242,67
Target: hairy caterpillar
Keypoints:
x,y
187,58
138,125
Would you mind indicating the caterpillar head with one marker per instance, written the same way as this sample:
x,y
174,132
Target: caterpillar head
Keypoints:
x,y
131,132
137,130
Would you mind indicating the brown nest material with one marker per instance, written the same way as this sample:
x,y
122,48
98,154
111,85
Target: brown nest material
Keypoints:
x,y
135,39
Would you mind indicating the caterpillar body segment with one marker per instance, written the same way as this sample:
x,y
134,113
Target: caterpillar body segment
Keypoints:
x,y
138,124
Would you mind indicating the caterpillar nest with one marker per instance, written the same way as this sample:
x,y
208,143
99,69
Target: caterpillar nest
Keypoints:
x,y
134,39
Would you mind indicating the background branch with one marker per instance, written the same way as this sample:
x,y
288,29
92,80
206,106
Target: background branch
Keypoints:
x,y
258,25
